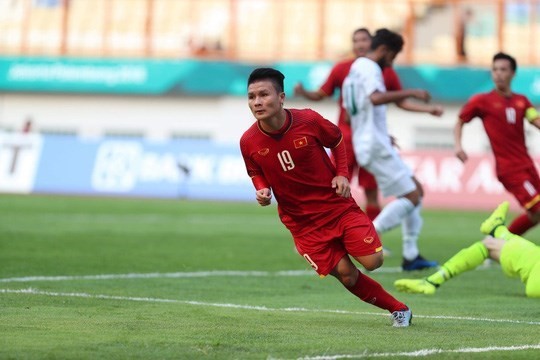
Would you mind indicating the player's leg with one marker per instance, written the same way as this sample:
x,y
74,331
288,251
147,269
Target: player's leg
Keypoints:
x,y
518,256
410,228
367,181
532,287
394,178
404,210
393,213
525,186
527,220
521,258
465,260
521,224
370,291
360,240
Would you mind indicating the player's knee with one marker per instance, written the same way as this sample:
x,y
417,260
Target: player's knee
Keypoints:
x,y
414,197
348,280
371,267
419,187
373,262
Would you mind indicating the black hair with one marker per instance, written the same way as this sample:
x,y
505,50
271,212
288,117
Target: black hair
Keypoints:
x,y
275,76
364,30
393,41
503,56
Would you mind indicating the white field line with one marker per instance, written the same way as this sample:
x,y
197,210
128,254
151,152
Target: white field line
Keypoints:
x,y
425,352
32,291
176,275
162,275
416,353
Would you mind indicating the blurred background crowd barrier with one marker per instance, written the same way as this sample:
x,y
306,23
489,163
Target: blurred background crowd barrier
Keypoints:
x,y
441,32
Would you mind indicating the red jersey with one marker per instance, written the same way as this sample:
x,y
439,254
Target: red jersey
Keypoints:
x,y
503,119
391,79
338,74
295,164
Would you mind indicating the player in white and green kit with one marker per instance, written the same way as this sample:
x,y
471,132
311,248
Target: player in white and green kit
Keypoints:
x,y
518,258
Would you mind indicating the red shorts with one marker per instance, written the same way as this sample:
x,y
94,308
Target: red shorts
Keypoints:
x,y
365,179
524,184
353,233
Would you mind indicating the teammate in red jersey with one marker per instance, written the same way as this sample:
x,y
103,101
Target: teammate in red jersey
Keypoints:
x,y
284,152
503,114
361,42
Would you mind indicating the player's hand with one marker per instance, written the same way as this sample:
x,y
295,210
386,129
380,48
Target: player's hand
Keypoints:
x,y
436,110
342,186
264,196
421,95
461,155
299,89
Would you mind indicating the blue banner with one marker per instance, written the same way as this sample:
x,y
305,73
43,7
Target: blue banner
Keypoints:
x,y
195,169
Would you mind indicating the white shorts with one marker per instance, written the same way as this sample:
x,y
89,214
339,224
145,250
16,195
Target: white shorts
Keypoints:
x,y
393,176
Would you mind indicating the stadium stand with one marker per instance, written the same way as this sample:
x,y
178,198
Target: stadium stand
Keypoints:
x,y
231,29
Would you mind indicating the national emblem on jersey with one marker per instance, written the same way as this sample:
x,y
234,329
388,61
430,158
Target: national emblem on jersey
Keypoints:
x,y
301,142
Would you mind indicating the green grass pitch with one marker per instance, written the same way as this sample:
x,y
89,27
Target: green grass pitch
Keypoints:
x,y
93,278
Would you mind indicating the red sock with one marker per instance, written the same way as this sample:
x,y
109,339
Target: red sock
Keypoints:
x,y
372,211
521,224
372,292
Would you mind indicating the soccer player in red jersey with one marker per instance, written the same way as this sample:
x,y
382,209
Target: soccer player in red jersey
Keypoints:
x,y
361,42
503,114
284,152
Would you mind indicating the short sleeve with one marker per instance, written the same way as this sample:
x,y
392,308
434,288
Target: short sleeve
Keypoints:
x,y
471,109
252,168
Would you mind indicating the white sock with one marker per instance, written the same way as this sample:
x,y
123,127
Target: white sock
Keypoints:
x,y
393,214
410,229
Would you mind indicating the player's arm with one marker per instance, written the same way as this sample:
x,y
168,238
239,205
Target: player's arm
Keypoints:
x,y
340,182
458,147
326,89
331,137
318,95
392,83
380,98
414,106
263,194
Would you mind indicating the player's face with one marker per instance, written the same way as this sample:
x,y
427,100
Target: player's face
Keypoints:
x,y
502,73
265,102
387,59
361,43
